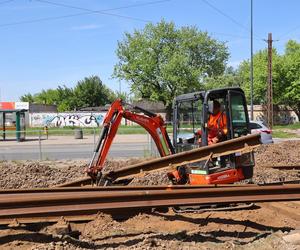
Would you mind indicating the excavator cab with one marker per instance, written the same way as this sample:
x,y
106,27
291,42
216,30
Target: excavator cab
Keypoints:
x,y
190,130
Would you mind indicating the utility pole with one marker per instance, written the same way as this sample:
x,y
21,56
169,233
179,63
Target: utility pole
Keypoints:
x,y
269,84
251,63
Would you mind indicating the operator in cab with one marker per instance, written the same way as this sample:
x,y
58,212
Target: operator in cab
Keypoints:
x,y
216,125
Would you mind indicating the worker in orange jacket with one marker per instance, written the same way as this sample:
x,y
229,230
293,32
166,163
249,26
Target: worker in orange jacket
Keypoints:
x,y
216,125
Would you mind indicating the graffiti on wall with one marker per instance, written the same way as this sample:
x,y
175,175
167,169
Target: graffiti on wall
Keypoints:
x,y
74,119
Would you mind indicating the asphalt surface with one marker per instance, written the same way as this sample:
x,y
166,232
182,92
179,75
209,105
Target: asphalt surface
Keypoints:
x,y
71,151
59,148
66,147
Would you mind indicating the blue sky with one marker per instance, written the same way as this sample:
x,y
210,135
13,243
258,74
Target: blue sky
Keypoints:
x,y
36,55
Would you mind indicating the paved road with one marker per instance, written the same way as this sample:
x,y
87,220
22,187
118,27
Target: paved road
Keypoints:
x,y
71,151
67,148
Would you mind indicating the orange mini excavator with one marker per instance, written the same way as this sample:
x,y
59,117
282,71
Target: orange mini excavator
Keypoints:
x,y
191,114
151,122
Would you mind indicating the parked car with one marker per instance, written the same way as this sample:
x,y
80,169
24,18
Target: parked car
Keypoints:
x,y
265,132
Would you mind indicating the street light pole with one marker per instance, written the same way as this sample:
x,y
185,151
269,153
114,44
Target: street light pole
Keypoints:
x,y
251,63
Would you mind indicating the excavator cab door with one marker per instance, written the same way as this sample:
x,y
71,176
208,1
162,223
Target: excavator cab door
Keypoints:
x,y
187,120
238,114
239,126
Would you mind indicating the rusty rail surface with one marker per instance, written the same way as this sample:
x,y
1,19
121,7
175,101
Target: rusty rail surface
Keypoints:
x,y
134,188
36,206
240,144
116,188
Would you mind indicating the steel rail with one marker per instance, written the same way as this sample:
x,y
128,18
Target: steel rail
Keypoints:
x,y
223,148
115,188
88,203
135,188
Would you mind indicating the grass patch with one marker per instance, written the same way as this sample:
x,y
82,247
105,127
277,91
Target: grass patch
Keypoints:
x,y
289,126
282,134
122,130
286,131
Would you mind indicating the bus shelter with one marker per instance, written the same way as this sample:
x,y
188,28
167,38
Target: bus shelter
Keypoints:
x,y
12,122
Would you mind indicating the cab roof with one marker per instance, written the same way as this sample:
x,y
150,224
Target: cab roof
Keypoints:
x,y
201,94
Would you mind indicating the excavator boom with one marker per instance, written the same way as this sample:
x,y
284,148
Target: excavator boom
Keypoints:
x,y
151,122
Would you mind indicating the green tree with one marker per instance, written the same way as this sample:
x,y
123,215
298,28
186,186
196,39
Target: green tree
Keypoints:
x,y
285,76
66,98
260,76
290,81
230,78
162,61
123,95
49,96
27,98
91,92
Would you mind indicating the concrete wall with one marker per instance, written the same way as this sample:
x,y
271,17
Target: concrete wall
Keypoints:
x,y
282,115
78,119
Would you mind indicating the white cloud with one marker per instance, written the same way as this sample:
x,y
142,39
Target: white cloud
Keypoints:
x,y
87,27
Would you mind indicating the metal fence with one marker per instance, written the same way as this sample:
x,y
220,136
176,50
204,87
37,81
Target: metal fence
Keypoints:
x,y
72,144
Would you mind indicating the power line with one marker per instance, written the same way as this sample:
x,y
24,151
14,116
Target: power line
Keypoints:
x,y
92,11
43,19
116,8
232,35
226,15
288,32
86,13
104,12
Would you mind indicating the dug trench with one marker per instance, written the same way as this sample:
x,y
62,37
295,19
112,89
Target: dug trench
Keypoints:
x,y
268,226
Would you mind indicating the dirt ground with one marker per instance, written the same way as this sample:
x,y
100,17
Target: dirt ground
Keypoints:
x,y
265,226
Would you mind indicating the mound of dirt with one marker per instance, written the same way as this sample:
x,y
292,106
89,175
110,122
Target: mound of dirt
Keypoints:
x,y
152,178
35,174
268,175
286,153
30,174
111,165
102,227
282,154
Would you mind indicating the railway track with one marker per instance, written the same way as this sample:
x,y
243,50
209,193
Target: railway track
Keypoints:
x,y
36,205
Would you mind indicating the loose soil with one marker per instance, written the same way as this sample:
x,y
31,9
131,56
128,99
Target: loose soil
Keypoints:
x,y
267,226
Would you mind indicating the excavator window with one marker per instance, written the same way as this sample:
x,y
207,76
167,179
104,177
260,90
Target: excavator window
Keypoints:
x,y
189,121
238,115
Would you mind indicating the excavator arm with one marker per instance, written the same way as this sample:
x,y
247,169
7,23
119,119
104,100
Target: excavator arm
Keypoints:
x,y
153,123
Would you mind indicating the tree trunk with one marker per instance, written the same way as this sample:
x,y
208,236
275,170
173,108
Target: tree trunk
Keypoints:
x,y
298,114
169,113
